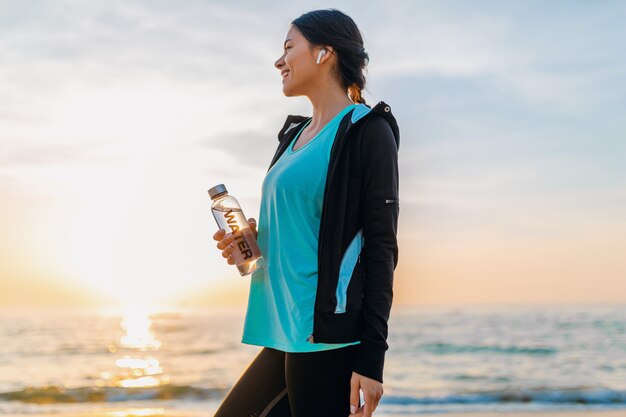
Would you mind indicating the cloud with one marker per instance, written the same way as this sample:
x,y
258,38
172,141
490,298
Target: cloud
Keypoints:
x,y
248,147
49,155
130,40
563,59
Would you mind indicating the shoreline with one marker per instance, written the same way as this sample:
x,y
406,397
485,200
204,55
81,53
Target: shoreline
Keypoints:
x,y
573,413
159,412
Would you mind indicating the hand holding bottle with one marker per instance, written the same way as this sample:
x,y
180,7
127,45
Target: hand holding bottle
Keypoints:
x,y
225,239
237,238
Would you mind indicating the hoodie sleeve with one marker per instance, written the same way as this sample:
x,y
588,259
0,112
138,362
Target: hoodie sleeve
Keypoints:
x,y
379,215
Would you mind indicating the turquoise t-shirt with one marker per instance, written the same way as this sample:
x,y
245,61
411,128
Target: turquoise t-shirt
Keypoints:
x,y
282,295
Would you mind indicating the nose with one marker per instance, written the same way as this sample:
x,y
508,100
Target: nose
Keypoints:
x,y
280,62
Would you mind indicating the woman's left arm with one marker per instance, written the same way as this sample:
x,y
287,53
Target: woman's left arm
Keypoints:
x,y
379,214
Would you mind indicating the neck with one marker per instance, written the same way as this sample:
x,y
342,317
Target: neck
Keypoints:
x,y
327,103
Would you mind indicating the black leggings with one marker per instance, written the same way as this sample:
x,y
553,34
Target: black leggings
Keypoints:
x,y
284,384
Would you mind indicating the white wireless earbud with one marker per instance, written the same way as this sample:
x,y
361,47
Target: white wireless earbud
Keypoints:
x,y
322,53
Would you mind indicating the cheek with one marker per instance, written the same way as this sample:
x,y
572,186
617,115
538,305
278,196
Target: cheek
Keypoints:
x,y
289,60
294,60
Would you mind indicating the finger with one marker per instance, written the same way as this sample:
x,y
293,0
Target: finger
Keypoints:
x,y
376,402
219,234
354,394
230,260
359,412
225,241
369,397
367,409
228,251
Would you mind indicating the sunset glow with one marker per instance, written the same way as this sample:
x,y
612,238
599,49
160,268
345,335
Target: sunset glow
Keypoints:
x,y
508,178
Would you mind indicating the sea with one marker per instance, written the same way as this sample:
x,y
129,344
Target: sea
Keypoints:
x,y
440,360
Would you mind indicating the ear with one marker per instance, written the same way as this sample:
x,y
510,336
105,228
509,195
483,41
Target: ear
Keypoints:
x,y
329,51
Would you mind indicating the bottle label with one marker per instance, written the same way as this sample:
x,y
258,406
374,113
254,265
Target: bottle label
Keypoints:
x,y
242,242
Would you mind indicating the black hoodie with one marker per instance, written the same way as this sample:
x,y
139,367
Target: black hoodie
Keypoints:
x,y
360,199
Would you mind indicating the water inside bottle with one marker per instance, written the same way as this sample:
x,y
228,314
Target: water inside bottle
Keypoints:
x,y
246,252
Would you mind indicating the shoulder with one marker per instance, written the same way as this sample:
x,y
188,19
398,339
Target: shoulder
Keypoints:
x,y
377,134
380,125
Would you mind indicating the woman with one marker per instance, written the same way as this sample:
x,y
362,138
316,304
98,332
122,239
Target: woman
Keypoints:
x,y
327,229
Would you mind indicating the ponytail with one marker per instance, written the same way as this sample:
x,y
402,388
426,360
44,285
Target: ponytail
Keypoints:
x,y
355,93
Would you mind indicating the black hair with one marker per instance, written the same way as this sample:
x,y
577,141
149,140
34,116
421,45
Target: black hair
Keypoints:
x,y
334,28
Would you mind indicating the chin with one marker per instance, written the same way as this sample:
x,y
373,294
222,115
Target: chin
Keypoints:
x,y
290,92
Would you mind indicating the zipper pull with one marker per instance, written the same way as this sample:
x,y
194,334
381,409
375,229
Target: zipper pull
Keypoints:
x,y
310,338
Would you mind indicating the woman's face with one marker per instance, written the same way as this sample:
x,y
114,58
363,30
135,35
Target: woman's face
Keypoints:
x,y
298,64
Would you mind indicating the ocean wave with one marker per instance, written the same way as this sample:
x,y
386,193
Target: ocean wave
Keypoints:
x,y
58,394
446,348
565,396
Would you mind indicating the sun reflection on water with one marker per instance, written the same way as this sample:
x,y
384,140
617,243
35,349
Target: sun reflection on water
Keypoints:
x,y
136,368
138,334
149,365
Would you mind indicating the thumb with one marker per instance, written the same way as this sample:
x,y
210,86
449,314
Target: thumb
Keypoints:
x,y
354,394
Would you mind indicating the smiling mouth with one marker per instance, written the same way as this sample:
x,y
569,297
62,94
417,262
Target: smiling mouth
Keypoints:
x,y
285,74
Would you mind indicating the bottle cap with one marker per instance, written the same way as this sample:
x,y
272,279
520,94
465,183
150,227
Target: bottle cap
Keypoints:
x,y
217,190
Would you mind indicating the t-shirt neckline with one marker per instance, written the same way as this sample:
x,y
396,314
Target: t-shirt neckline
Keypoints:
x,y
295,139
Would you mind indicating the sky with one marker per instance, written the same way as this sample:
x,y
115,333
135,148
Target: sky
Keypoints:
x,y
117,117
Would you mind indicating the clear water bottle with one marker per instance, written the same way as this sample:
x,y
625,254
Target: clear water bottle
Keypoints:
x,y
229,216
